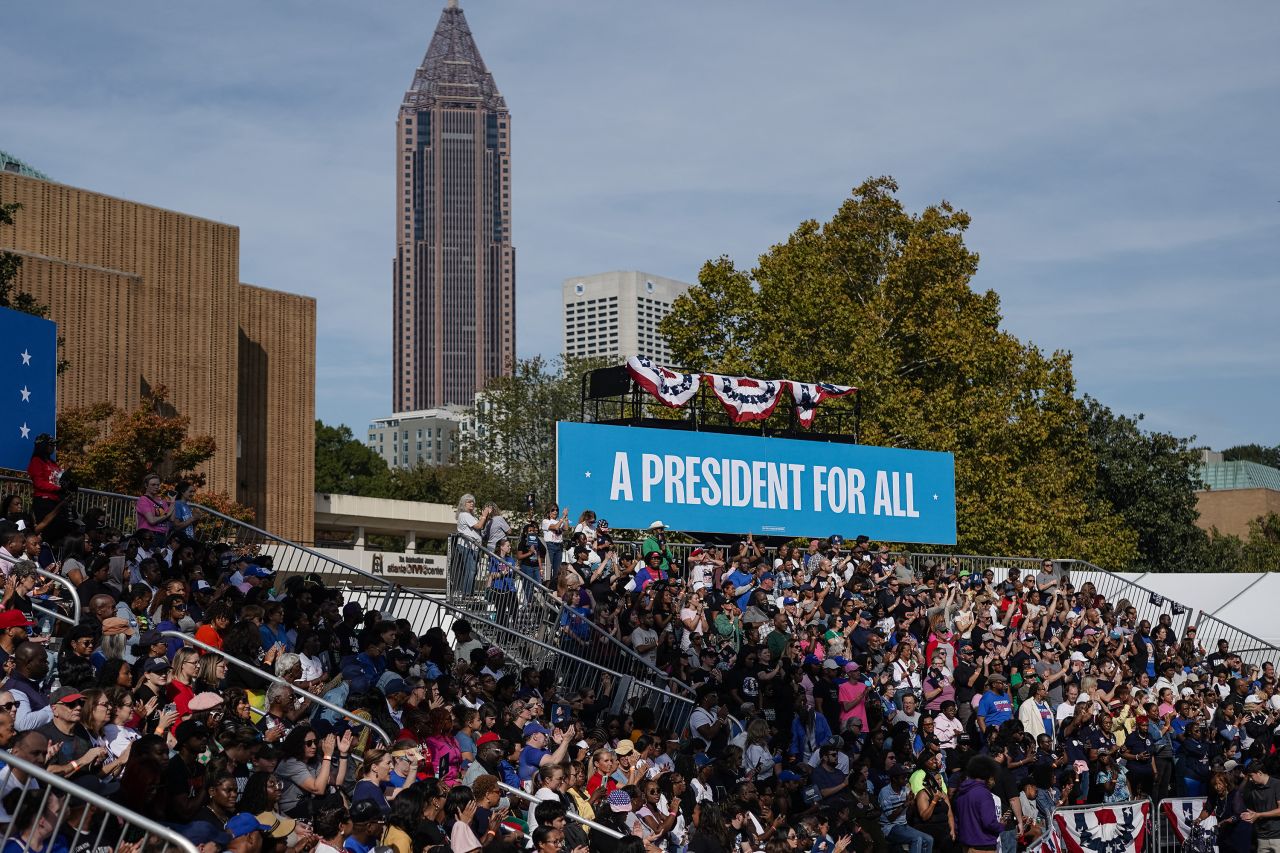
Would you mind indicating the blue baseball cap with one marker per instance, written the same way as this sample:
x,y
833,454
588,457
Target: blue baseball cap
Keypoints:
x,y
204,832
243,824
531,729
256,571
395,685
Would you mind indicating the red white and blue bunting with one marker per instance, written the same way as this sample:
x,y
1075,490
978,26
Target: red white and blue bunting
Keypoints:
x,y
807,396
1181,812
672,389
745,399
1117,828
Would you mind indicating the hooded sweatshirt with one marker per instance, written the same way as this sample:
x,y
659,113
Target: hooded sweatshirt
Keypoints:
x,y
977,818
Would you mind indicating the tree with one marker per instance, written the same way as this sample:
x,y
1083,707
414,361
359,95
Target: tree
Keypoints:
x,y
344,466
512,450
1150,479
112,450
880,298
1253,453
10,296
1260,552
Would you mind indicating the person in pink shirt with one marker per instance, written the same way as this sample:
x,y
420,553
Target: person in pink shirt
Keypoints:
x,y
853,696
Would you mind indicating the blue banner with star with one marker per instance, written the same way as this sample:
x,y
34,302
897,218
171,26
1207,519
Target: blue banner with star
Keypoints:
x,y
29,355
717,483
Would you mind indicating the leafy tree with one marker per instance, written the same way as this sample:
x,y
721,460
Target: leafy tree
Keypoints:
x,y
10,297
880,298
112,450
1150,479
1253,453
344,466
512,449
1260,552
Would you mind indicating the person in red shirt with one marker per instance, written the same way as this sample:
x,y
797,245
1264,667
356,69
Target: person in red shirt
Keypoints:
x,y
46,485
217,620
603,762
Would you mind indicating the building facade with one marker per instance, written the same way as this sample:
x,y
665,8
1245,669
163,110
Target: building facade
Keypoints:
x,y
410,439
145,297
1235,494
615,315
454,291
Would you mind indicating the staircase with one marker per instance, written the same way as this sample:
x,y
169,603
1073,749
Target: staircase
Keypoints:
x,y
542,614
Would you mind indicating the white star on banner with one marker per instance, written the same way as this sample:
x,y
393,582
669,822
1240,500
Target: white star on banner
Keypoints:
x,y
25,430
26,357
26,394
588,475
935,497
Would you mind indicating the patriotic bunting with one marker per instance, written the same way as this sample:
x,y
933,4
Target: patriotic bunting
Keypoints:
x,y
1182,811
745,399
672,389
1118,828
807,396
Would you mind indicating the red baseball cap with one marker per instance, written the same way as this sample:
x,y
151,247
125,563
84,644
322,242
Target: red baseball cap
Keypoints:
x,y
14,619
487,737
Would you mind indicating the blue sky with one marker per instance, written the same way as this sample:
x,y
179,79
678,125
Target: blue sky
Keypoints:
x,y
1118,159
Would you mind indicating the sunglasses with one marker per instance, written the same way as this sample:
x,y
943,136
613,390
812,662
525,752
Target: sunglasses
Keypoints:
x,y
6,707
79,703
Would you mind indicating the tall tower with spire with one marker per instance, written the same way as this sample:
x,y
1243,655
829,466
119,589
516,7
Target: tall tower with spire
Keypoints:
x,y
455,267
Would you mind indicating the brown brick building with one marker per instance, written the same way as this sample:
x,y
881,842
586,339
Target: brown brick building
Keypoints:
x,y
147,297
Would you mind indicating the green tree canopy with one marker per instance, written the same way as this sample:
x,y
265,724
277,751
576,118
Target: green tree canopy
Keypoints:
x,y
1150,478
344,466
512,450
880,298
1253,453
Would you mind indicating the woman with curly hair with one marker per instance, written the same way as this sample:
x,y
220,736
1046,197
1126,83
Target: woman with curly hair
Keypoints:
x,y
446,756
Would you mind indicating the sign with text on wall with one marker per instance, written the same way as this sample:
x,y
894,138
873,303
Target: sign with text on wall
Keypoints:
x,y
717,483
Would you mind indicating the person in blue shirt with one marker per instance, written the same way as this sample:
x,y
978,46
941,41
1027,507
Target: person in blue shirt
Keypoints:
x,y
362,671
996,707
535,752
743,584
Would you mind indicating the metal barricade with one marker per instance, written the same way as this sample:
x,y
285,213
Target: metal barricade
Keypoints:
x,y
239,664
1174,820
671,711
82,818
544,615
573,816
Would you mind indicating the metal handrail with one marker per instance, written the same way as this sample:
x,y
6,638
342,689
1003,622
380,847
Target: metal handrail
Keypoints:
x,y
51,782
323,703
53,614
573,669
557,610
598,827
74,619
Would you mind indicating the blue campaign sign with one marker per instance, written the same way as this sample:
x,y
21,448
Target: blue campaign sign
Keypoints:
x,y
716,483
29,360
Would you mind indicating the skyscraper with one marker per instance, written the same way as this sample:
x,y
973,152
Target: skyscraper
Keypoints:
x,y
454,291
616,314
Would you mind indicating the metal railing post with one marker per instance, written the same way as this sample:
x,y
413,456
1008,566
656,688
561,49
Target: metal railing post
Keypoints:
x,y
574,816
73,597
71,792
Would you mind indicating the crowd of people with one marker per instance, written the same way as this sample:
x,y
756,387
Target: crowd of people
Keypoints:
x,y
850,697
845,700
